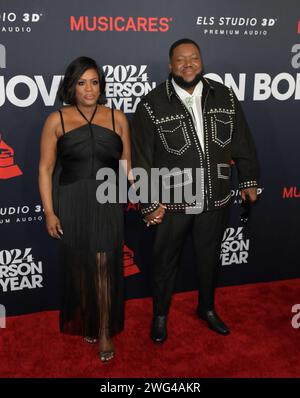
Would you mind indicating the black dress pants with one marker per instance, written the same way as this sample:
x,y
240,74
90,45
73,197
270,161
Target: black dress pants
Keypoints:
x,y
207,230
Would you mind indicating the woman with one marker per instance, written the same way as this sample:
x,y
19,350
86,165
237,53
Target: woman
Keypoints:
x,y
76,142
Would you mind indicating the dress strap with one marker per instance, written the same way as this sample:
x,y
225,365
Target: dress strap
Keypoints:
x,y
113,119
62,121
83,115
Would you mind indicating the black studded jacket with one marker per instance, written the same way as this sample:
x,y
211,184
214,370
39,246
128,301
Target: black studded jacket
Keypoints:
x,y
163,136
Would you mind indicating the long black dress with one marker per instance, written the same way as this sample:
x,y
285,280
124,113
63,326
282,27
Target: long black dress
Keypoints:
x,y
92,238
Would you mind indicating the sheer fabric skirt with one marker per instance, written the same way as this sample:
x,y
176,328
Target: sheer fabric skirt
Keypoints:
x,y
92,266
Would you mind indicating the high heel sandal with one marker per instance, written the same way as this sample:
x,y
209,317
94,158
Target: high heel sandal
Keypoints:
x,y
90,340
106,356
106,350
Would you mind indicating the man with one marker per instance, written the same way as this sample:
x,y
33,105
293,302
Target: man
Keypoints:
x,y
191,122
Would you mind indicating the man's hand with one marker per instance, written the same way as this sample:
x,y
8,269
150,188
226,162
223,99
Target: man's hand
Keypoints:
x,y
249,194
156,217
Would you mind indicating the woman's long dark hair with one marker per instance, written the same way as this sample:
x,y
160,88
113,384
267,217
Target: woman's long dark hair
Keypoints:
x,y
67,88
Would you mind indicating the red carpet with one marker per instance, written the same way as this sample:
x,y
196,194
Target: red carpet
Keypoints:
x,y
262,343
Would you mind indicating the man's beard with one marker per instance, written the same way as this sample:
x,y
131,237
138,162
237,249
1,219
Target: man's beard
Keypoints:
x,y
184,84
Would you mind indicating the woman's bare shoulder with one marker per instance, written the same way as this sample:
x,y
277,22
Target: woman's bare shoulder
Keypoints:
x,y
53,119
120,116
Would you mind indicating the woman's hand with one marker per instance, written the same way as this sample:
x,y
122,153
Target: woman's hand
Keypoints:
x,y
53,226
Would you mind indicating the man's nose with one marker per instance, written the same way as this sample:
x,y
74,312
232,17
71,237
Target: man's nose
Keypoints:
x,y
187,63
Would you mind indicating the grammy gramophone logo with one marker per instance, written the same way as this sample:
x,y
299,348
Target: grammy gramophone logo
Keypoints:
x,y
8,168
130,268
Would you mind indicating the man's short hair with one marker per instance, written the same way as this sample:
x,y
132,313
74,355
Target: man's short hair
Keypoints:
x,y
179,42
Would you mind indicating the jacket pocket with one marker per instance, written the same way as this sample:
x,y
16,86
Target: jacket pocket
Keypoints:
x,y
174,136
223,171
222,129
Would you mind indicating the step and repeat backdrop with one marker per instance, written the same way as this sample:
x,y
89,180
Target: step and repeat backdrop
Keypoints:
x,y
253,47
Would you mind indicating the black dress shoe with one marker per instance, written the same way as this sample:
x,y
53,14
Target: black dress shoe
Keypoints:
x,y
214,322
159,328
